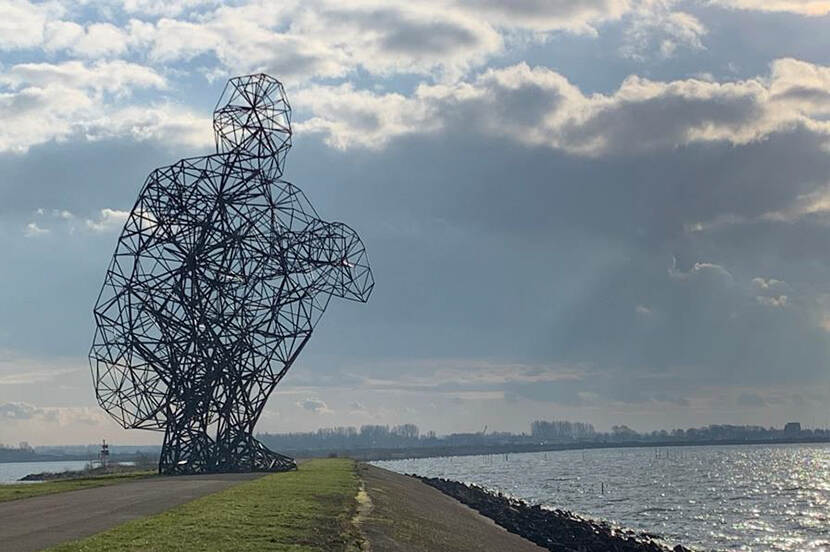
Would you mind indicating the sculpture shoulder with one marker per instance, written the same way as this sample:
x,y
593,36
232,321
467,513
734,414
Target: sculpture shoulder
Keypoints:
x,y
289,194
200,162
190,169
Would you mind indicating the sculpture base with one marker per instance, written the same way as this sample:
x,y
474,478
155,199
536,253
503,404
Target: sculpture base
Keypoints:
x,y
202,455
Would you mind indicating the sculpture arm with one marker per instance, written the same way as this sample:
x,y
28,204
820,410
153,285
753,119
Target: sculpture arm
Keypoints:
x,y
336,254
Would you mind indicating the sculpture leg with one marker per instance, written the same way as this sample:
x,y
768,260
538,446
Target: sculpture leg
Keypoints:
x,y
190,449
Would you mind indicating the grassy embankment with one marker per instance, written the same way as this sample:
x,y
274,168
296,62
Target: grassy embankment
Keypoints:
x,y
28,490
301,511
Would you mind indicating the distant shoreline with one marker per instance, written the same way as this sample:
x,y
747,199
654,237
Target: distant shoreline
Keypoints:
x,y
467,450
35,458
432,452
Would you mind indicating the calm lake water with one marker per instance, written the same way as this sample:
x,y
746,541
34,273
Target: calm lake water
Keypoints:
x,y
711,498
10,472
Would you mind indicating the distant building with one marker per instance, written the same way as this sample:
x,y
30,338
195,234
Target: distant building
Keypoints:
x,y
792,427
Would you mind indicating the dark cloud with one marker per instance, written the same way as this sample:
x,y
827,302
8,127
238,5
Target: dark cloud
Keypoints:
x,y
546,15
487,249
493,249
433,38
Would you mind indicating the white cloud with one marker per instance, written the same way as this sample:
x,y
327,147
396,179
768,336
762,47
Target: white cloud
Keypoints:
x,y
801,86
300,41
718,222
777,302
19,411
813,203
22,23
32,230
351,117
314,405
445,38
768,285
93,41
40,25
116,77
331,39
538,106
108,220
802,7
44,102
33,376
61,416
542,15
16,369
654,27
701,270
36,115
326,38
168,8
168,123
771,292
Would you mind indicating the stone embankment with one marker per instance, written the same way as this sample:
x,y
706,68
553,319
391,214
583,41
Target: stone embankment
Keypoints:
x,y
556,530
98,471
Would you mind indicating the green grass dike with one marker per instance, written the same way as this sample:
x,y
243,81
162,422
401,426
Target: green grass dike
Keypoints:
x,y
305,510
28,490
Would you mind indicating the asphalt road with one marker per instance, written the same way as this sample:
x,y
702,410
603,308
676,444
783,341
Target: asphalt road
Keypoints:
x,y
44,521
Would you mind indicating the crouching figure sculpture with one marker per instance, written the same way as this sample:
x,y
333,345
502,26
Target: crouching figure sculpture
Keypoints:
x,y
220,274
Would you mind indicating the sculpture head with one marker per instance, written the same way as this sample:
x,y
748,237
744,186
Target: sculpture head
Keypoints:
x,y
253,117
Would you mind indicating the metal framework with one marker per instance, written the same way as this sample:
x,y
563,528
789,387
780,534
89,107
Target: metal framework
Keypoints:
x,y
220,274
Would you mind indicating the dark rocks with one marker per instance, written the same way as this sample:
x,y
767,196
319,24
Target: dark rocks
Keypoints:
x,y
35,477
556,530
89,471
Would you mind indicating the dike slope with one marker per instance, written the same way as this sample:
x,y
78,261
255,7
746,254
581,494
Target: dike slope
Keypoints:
x,y
555,530
404,515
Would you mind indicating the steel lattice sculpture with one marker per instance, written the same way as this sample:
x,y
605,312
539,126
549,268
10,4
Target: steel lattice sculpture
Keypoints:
x,y
221,272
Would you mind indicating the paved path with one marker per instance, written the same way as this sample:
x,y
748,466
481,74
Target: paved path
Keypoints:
x,y
406,515
44,521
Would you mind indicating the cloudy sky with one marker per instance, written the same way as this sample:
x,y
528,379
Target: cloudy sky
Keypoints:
x,y
614,211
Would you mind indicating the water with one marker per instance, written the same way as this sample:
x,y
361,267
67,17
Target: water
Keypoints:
x,y
10,472
749,498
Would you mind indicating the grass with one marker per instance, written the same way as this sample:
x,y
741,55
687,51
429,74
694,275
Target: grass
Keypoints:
x,y
28,490
301,511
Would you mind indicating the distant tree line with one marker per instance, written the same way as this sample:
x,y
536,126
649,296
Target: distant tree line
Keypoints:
x,y
541,432
409,436
562,431
368,436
